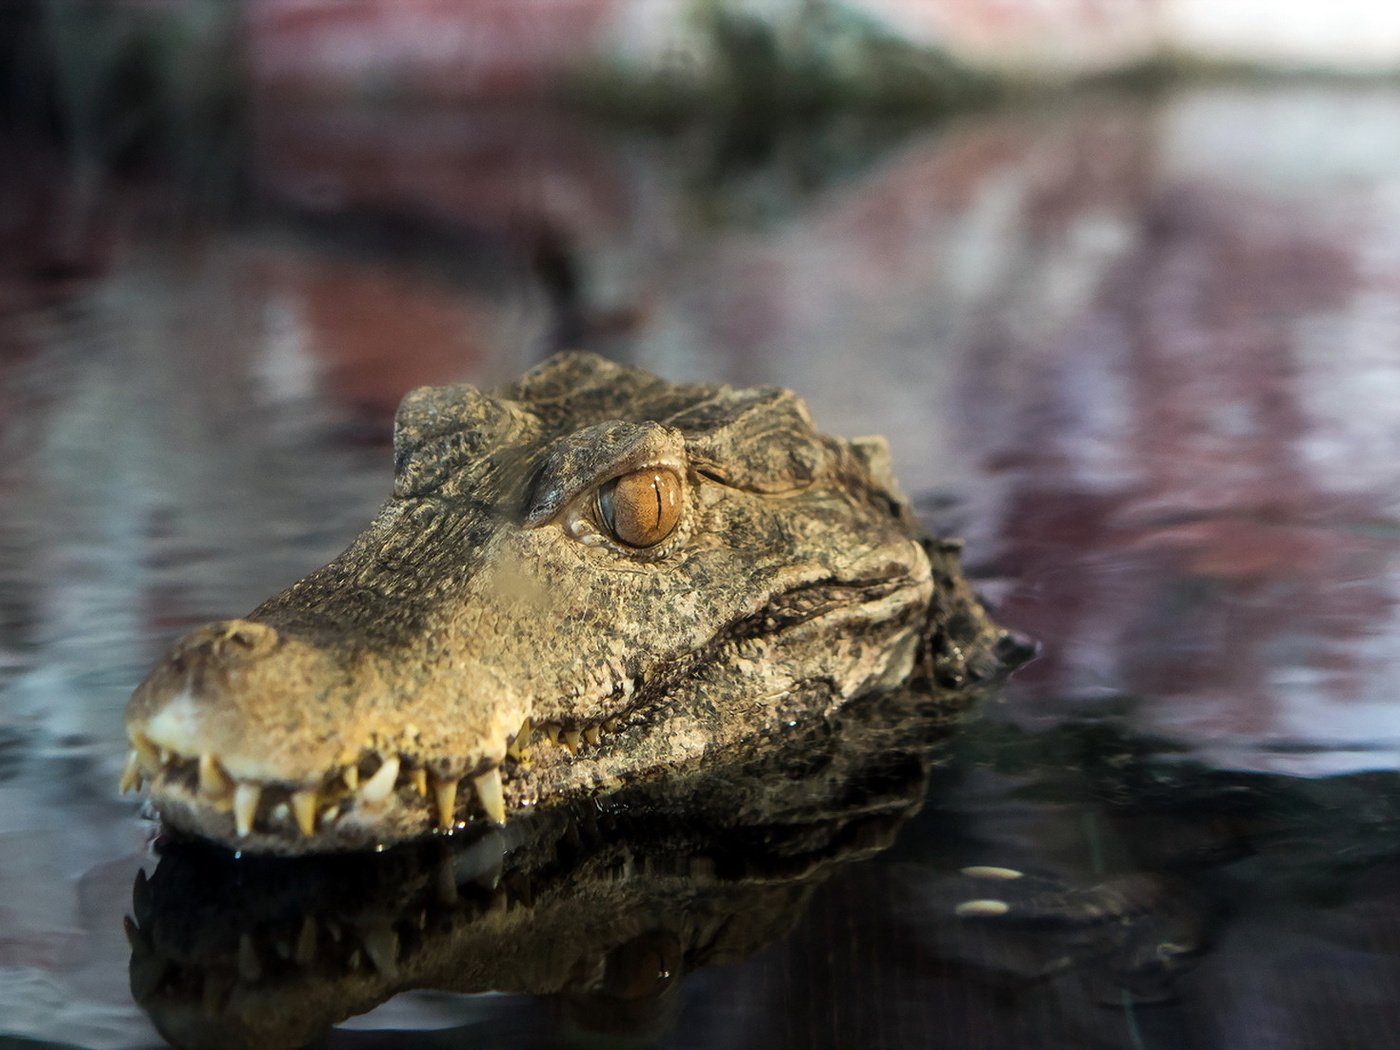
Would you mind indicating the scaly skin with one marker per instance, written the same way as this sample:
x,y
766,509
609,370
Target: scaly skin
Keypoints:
x,y
413,684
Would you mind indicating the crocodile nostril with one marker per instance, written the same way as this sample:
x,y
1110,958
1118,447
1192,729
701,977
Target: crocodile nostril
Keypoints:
x,y
250,637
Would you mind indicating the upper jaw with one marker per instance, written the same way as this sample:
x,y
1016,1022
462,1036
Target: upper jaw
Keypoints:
x,y
218,769
383,797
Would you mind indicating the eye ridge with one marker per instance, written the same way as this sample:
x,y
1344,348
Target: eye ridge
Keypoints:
x,y
627,517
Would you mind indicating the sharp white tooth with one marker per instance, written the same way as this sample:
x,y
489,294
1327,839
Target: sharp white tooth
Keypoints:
x,y
380,786
131,773
213,781
520,743
445,801
245,806
382,947
148,752
304,806
488,789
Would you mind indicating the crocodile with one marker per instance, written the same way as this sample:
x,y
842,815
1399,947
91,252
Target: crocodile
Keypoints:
x,y
586,578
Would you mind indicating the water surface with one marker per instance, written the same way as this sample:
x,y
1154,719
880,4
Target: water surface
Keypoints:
x,y
1140,352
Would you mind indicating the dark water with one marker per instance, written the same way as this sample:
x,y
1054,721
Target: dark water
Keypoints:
x,y
1143,354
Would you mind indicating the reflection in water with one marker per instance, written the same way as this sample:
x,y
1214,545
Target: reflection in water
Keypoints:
x,y
603,908
1203,886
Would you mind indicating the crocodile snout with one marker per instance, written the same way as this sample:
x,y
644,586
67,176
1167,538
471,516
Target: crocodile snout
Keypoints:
x,y
241,727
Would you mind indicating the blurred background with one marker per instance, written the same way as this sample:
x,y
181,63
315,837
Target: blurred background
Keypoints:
x,y
1119,279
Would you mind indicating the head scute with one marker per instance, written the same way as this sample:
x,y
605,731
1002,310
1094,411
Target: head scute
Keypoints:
x,y
761,440
440,431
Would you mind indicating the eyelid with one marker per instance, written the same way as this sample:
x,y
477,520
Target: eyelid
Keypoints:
x,y
579,463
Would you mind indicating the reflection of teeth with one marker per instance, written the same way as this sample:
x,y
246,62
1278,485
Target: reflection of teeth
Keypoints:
x,y
305,952
382,947
245,806
981,909
249,969
989,871
378,787
488,788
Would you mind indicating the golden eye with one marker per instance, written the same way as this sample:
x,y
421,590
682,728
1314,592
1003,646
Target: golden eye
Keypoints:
x,y
642,508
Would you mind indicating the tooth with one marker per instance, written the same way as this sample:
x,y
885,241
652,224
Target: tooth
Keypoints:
x,y
570,738
488,789
304,806
551,732
382,947
445,799
592,734
131,773
305,952
610,725
521,741
213,781
351,776
149,754
380,786
245,806
419,776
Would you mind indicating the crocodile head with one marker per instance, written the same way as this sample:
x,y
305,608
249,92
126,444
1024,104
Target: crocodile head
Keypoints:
x,y
588,577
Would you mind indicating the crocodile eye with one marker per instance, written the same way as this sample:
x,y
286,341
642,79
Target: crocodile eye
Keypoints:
x,y
642,508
